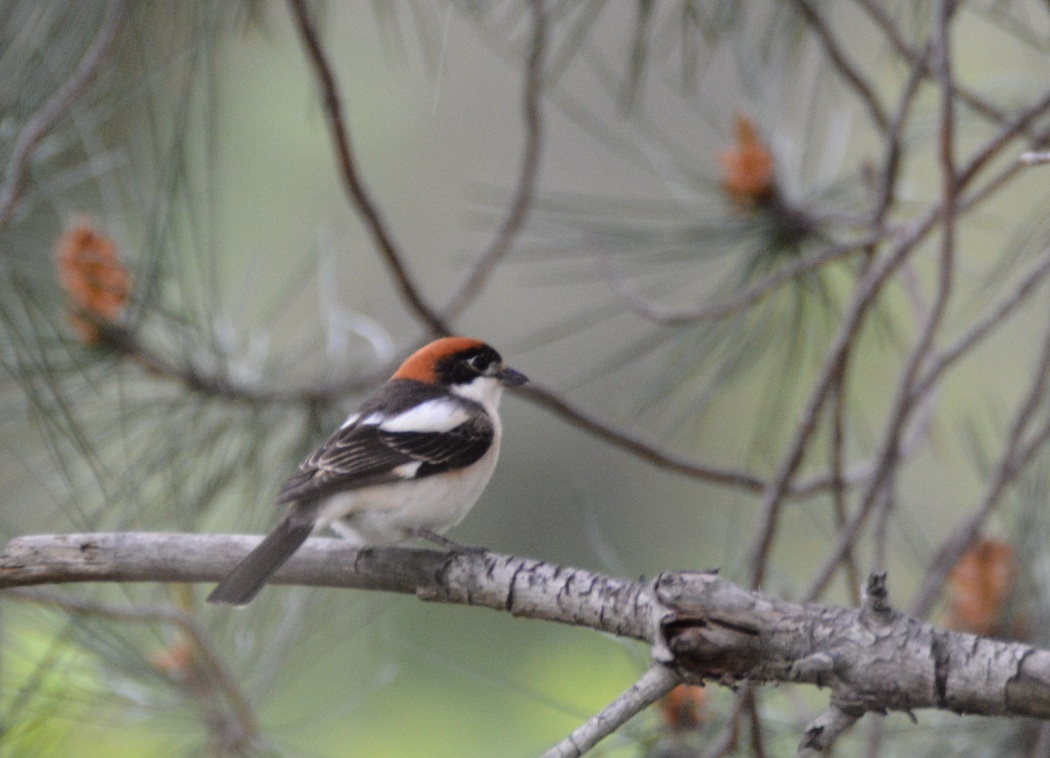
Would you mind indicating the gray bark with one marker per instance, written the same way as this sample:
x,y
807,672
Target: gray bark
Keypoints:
x,y
700,625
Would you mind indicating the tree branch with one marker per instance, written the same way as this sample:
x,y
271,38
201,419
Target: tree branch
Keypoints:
x,y
842,64
50,112
530,166
700,626
656,682
355,188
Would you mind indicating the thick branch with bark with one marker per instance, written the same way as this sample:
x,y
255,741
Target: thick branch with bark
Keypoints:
x,y
700,625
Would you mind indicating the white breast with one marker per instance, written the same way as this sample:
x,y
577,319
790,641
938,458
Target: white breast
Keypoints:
x,y
388,514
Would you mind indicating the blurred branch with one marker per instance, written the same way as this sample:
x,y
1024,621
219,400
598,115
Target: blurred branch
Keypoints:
x,y
1012,129
355,188
838,486
1035,158
944,213
667,317
842,64
919,58
982,327
891,163
551,400
700,626
216,384
835,361
38,125
882,487
656,682
233,736
1015,456
530,165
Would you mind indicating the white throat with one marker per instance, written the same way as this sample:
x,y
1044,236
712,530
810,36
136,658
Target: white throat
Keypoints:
x,y
483,389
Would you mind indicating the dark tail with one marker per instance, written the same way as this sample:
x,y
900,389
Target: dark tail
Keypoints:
x,y
248,577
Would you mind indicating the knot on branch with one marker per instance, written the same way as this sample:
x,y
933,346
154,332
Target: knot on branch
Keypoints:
x,y
876,606
873,658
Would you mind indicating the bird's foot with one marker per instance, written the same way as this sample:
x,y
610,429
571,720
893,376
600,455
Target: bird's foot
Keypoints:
x,y
445,542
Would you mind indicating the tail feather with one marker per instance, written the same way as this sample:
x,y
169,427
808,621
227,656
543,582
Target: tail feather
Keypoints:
x,y
242,584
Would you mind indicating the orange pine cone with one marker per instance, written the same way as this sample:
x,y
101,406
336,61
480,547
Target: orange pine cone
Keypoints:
x,y
93,278
747,168
980,585
683,707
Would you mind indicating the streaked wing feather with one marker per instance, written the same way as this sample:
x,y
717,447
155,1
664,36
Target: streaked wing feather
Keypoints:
x,y
365,455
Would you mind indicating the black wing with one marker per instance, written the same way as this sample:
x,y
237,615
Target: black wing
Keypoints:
x,y
365,455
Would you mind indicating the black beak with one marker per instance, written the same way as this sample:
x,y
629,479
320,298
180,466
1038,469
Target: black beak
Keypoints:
x,y
511,378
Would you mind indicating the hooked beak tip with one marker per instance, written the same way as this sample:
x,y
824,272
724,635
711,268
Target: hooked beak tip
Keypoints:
x,y
511,378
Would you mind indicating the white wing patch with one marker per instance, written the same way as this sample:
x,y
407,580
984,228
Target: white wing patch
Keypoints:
x,y
432,416
350,420
373,419
407,470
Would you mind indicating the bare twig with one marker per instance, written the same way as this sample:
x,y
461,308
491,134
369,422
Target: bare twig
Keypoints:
x,y
656,682
355,188
903,405
530,166
842,64
838,487
1034,158
212,383
740,301
1015,455
882,19
50,112
891,164
758,742
548,398
1016,127
982,327
880,493
825,729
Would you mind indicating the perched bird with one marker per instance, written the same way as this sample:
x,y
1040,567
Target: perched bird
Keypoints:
x,y
409,463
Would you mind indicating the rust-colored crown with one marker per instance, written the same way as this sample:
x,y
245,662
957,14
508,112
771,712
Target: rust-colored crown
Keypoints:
x,y
421,365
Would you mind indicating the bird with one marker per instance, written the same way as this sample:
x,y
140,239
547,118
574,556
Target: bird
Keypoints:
x,y
410,462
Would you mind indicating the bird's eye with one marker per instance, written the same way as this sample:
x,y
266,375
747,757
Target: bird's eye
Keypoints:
x,y
479,363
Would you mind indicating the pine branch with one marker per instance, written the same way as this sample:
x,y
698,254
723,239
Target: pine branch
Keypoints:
x,y
700,626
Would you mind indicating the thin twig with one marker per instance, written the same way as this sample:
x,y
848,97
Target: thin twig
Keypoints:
x,y
1011,130
656,682
821,734
50,112
548,398
838,487
530,166
868,287
1015,456
355,188
982,327
715,311
1034,158
754,719
882,19
843,65
891,164
901,409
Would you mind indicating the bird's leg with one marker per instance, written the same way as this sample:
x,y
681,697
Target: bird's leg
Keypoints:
x,y
445,542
